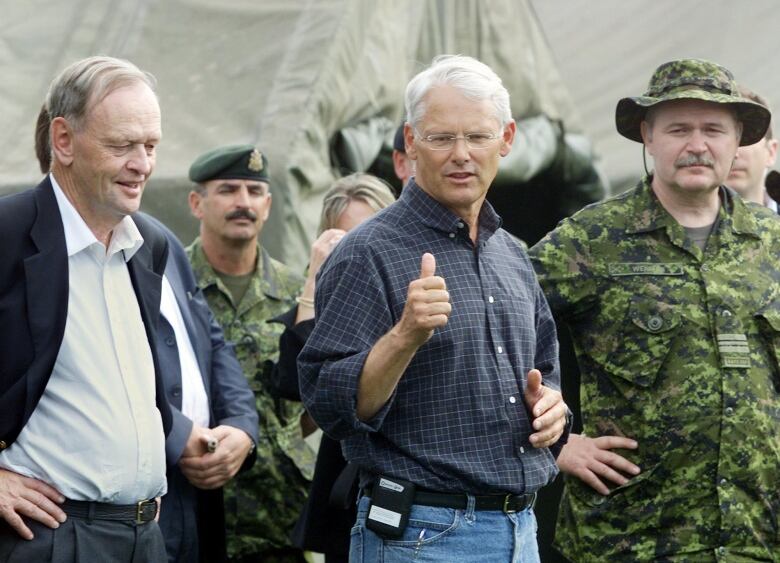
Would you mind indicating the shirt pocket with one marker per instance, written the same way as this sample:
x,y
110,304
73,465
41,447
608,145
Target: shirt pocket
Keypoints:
x,y
647,336
769,328
620,498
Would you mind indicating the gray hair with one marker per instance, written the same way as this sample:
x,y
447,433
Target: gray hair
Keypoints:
x,y
86,82
472,78
358,186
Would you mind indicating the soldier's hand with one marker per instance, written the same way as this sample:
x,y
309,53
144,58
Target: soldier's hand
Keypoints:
x,y
548,411
427,304
24,496
592,461
213,470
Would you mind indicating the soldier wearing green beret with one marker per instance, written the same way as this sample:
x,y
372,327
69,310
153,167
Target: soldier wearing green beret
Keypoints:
x,y
245,287
672,292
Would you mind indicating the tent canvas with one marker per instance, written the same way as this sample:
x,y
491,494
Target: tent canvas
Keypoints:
x,y
285,75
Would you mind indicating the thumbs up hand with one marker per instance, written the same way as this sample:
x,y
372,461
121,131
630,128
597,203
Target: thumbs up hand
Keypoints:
x,y
427,265
427,304
548,411
533,387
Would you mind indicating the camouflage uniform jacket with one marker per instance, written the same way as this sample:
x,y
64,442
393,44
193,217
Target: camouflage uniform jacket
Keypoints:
x,y
678,349
262,504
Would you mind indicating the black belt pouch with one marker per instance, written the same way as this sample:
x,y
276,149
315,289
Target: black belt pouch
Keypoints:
x,y
391,502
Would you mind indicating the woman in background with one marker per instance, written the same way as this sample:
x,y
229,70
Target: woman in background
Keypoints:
x,y
329,513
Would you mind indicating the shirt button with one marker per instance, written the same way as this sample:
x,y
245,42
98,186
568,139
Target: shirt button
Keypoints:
x,y
705,268
729,411
513,399
721,550
460,225
655,323
500,350
724,482
490,299
170,341
725,313
451,235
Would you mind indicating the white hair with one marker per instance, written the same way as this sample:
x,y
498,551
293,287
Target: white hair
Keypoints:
x,y
472,78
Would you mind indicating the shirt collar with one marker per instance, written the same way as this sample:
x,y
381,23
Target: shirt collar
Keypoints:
x,y
649,214
78,235
434,215
264,271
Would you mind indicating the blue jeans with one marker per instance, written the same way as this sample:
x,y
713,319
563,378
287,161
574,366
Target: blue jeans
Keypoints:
x,y
444,535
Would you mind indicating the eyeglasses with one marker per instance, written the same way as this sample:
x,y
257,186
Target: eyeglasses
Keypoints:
x,y
446,141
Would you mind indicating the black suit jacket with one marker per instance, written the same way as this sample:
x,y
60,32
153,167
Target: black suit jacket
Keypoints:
x,y
34,300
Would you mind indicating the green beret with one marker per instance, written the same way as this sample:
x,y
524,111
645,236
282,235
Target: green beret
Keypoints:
x,y
234,162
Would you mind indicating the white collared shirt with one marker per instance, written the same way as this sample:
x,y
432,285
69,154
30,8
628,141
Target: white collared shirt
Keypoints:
x,y
96,433
194,402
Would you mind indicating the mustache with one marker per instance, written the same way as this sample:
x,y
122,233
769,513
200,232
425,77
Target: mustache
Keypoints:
x,y
460,171
694,160
241,214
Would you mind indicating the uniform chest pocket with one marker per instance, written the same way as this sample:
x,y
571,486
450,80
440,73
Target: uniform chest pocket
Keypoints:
x,y
648,332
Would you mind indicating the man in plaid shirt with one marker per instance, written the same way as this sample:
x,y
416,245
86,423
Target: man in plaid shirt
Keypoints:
x,y
434,355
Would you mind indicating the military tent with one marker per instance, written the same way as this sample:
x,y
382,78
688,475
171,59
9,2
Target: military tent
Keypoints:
x,y
315,84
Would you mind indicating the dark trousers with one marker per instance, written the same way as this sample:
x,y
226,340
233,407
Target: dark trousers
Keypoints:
x,y
79,540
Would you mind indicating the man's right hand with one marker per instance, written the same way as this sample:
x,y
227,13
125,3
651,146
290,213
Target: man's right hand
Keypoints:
x,y
427,308
591,460
427,305
25,496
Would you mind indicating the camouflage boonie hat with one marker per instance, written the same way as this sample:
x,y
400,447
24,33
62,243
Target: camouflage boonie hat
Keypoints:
x,y
692,79
233,162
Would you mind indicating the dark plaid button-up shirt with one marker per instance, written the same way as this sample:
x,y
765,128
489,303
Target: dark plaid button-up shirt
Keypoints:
x,y
457,420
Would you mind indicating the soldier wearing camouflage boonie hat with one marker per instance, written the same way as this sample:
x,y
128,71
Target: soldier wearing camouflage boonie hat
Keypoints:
x,y
245,287
671,291
692,79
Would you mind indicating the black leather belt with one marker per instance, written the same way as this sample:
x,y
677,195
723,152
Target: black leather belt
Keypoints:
x,y
505,503
140,512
